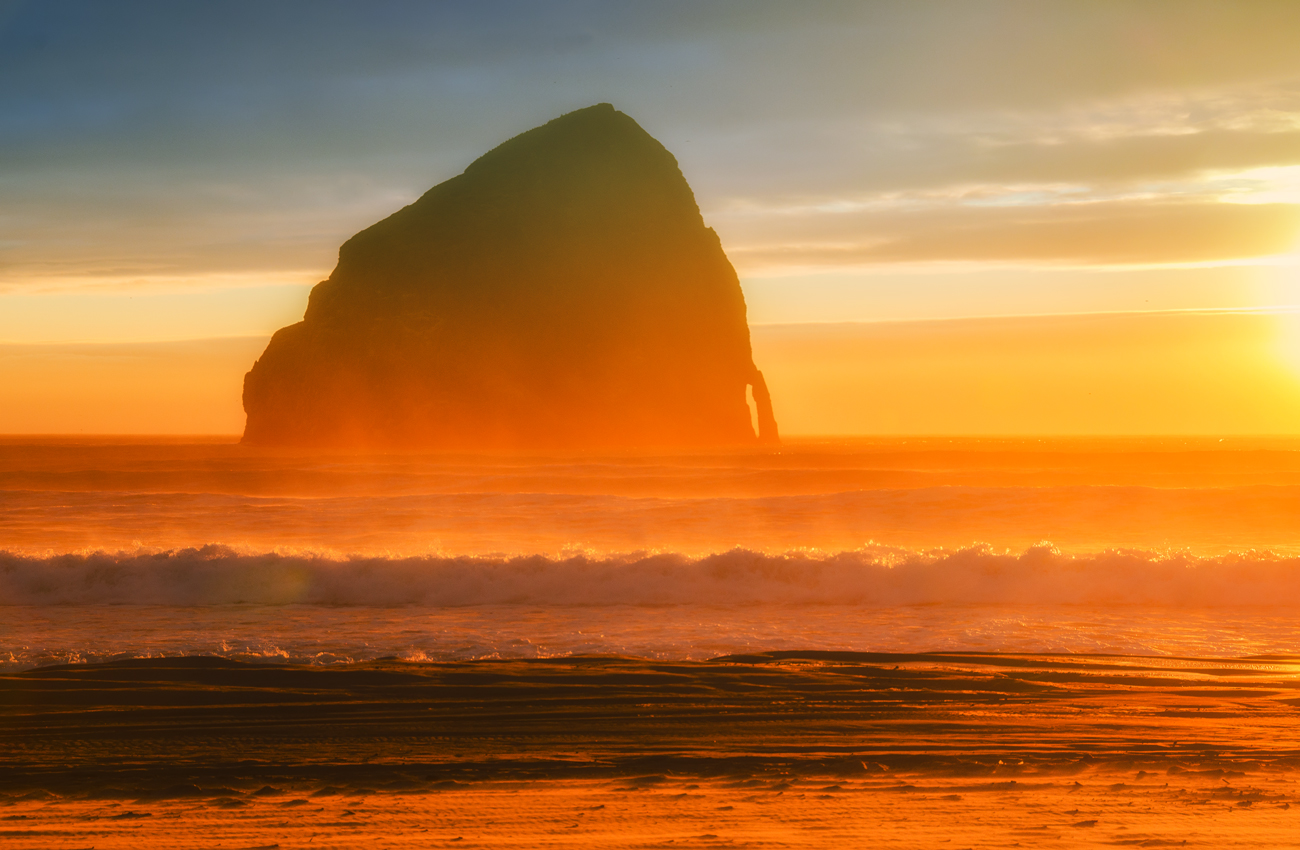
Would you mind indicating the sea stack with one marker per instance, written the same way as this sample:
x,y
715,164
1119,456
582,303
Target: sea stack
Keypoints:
x,y
561,293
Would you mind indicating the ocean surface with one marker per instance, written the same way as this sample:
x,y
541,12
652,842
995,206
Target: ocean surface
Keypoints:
x,y
116,548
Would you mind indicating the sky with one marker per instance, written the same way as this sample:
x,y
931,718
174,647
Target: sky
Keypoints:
x,y
186,171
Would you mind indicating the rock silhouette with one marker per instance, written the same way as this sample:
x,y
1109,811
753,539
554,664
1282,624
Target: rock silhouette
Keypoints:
x,y
562,292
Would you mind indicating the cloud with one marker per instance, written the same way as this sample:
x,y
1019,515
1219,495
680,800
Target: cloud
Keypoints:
x,y
1128,232
142,139
166,225
1143,138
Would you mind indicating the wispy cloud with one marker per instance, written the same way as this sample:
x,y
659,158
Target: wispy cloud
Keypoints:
x,y
146,144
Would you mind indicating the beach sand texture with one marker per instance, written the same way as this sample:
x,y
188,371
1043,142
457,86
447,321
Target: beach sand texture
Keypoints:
x,y
795,749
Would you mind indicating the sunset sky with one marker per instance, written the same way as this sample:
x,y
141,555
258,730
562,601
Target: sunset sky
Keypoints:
x,y
180,172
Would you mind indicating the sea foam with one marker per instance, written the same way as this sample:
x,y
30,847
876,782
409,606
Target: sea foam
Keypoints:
x,y
869,576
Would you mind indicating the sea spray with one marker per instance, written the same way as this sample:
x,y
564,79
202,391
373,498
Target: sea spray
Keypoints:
x,y
870,576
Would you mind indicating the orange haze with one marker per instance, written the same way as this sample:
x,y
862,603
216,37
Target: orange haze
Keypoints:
x,y
1158,373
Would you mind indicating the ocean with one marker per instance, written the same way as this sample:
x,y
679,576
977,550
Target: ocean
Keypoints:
x,y
117,548
872,642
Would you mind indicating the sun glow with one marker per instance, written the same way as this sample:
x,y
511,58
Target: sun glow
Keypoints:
x,y
1270,185
1288,325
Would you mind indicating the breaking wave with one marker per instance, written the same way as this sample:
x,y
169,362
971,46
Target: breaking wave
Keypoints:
x,y
870,576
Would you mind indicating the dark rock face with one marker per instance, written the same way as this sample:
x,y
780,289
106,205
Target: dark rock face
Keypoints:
x,y
563,292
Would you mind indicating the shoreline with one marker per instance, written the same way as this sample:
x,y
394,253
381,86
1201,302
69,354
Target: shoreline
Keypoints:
x,y
793,749
195,722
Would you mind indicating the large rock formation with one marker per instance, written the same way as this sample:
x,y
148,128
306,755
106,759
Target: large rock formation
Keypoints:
x,y
563,292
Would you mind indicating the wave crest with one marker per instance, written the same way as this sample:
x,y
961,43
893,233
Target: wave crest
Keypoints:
x,y
870,576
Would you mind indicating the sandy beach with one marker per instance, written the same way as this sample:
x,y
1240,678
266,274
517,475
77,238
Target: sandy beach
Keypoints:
x,y
803,749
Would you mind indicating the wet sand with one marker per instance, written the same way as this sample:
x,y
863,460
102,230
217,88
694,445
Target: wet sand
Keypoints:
x,y
803,749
